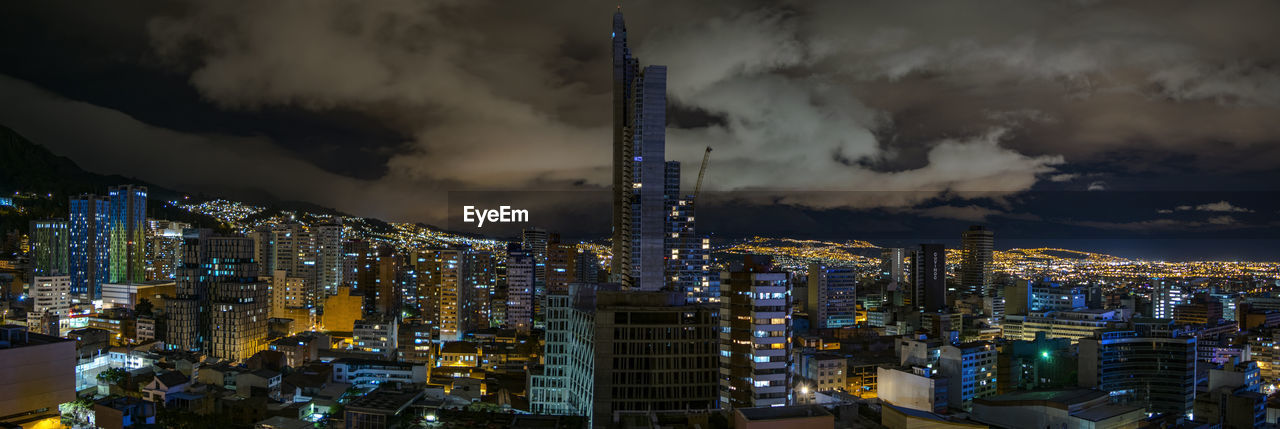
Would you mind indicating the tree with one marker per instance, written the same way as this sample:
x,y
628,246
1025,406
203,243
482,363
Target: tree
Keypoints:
x,y
113,376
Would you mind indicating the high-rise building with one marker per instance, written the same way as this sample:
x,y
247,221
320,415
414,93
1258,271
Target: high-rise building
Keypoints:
x,y
1166,296
891,265
329,256
1149,369
561,265
587,267
221,308
976,261
832,296
534,241
520,288
566,384
755,336
164,253
653,352
479,278
293,250
88,226
50,244
128,223
688,256
639,140
929,276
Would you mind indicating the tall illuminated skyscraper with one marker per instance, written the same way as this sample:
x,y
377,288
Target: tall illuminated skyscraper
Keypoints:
x,y
88,260
50,242
976,263
639,145
128,224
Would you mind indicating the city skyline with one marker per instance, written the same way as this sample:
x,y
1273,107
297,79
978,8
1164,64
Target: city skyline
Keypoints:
x,y
392,215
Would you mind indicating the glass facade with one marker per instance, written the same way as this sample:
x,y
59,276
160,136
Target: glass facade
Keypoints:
x,y
88,250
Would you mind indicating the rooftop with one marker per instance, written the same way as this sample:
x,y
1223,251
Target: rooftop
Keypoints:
x,y
780,413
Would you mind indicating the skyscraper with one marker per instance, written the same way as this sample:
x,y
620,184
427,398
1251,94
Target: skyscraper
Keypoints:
x,y
976,261
639,140
520,280
479,276
164,248
534,241
832,296
89,249
50,243
755,336
328,248
929,275
221,308
128,223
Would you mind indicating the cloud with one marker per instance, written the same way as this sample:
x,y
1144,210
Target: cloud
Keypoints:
x,y
922,100
1222,206
972,213
1164,211
1222,220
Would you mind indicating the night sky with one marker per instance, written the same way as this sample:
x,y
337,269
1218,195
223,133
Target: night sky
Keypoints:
x,y
1149,129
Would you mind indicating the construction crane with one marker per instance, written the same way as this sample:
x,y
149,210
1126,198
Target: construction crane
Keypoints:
x,y
702,171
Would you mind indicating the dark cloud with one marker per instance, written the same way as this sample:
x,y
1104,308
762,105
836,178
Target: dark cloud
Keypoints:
x,y
922,100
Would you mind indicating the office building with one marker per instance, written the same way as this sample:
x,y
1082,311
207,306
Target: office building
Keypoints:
x,y
342,310
832,299
929,277
892,267
479,281
971,370
328,238
1072,325
1048,296
653,352
521,266
221,308
1165,297
88,226
565,385
164,249
587,266
127,233
639,168
50,244
755,336
976,261
1151,370
39,374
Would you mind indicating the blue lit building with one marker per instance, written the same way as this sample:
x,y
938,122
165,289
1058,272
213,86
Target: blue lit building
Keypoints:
x,y
88,251
127,233
1155,370
1047,296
